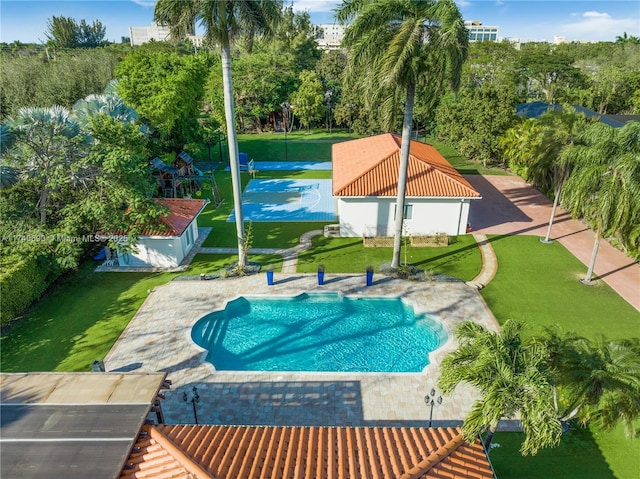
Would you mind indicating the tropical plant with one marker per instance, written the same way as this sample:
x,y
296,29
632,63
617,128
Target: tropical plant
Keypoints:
x,y
395,46
595,381
224,22
48,145
604,187
512,378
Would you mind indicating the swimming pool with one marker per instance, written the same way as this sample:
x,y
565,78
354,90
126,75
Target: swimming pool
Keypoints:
x,y
318,332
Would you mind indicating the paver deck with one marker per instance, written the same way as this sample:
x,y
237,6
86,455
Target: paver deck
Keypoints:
x,y
158,339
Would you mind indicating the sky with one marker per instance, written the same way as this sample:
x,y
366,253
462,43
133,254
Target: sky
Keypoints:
x,y
541,20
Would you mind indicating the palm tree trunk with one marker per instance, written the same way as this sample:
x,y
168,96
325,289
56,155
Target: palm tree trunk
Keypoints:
x,y
488,438
592,263
547,238
402,173
234,160
44,196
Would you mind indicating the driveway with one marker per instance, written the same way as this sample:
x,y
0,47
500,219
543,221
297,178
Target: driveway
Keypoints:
x,y
511,206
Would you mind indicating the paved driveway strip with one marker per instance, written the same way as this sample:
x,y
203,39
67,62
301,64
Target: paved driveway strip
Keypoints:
x,y
158,339
511,206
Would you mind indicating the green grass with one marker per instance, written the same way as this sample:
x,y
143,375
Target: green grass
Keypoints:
x,y
582,453
298,146
461,163
538,285
460,259
80,319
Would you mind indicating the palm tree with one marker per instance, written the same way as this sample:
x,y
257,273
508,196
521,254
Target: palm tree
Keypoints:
x,y
47,145
512,378
399,45
224,21
597,381
604,187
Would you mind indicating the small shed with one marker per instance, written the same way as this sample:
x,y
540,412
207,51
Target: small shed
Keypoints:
x,y
166,247
365,186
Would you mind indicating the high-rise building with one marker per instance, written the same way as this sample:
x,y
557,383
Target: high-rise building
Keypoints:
x,y
329,35
158,33
481,33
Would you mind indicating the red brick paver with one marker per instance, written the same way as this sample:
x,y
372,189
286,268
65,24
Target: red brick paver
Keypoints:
x,y
511,206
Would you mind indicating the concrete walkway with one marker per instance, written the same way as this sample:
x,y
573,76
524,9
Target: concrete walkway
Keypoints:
x,y
511,206
489,263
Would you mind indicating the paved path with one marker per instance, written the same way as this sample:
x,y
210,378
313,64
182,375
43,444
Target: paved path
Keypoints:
x,y
489,263
511,206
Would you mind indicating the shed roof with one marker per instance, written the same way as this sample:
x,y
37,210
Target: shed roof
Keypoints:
x,y
182,212
252,452
369,167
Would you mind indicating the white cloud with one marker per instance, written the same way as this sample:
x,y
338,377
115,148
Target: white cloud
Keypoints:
x,y
463,3
597,26
145,3
594,14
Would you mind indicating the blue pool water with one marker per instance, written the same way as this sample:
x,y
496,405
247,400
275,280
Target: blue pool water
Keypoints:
x,y
318,332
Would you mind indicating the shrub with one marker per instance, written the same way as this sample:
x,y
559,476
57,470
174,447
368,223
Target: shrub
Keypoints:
x,y
22,280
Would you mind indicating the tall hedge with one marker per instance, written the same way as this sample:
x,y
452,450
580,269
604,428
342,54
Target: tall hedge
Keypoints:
x,y
22,280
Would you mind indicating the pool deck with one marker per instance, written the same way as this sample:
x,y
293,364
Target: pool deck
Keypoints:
x,y
158,340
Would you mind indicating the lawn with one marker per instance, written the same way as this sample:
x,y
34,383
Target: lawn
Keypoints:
x,y
538,285
461,259
297,146
83,315
582,453
461,163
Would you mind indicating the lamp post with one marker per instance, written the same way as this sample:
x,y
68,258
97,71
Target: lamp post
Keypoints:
x,y
431,401
195,399
286,108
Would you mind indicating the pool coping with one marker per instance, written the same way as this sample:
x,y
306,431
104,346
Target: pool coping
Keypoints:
x,y
158,338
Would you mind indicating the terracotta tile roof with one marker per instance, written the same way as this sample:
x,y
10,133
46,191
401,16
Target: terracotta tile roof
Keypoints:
x,y
369,167
182,211
252,452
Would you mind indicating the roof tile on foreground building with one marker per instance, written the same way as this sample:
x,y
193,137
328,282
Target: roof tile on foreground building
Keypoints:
x,y
252,452
369,167
182,212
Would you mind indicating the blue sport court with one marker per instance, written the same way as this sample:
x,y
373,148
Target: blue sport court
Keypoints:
x,y
287,200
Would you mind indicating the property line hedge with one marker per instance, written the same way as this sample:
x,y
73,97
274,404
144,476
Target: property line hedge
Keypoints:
x,y
22,280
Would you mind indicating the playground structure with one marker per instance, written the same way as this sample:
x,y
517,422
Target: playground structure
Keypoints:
x,y
183,179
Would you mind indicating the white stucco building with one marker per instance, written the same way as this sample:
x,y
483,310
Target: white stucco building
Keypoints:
x,y
166,248
365,177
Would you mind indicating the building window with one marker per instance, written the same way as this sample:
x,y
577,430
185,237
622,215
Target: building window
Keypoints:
x,y
408,212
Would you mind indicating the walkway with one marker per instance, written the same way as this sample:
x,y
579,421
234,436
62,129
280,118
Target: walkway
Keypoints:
x,y
489,263
511,206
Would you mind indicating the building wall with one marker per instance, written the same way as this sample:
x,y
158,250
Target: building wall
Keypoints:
x,y
161,251
140,35
331,36
376,216
481,33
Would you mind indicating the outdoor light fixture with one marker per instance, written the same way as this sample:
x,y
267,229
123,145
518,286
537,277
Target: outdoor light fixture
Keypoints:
x,y
431,401
195,399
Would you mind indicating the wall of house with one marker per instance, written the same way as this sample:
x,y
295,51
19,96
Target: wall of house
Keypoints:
x,y
161,251
154,252
376,216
